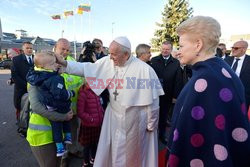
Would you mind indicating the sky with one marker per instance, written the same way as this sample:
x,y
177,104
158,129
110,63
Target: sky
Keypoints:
x,y
108,19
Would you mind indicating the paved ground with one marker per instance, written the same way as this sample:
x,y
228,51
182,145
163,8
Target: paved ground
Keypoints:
x,y
14,150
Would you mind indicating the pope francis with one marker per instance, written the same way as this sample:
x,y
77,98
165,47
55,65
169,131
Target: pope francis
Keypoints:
x,y
129,131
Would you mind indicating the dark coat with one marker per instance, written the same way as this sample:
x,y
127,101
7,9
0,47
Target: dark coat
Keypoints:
x,y
169,74
244,75
19,70
99,56
52,89
226,56
209,124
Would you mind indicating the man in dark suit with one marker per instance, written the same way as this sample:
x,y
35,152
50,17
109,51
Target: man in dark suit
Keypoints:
x,y
240,63
169,72
223,48
20,67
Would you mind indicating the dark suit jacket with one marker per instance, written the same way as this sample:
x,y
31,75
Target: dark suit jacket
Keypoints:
x,y
169,74
19,70
99,56
244,75
226,56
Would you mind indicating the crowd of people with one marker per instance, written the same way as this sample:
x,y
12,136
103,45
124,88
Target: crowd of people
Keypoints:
x,y
111,110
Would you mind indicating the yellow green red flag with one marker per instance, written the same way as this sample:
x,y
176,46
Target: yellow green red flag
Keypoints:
x,y
84,7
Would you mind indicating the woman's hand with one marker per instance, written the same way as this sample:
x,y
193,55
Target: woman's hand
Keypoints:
x,y
69,115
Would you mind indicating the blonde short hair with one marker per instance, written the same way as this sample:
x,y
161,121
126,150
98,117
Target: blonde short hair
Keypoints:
x,y
43,57
204,27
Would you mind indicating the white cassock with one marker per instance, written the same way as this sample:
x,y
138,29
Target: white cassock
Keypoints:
x,y
124,139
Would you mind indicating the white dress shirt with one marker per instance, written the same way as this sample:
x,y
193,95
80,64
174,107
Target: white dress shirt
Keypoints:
x,y
27,57
240,63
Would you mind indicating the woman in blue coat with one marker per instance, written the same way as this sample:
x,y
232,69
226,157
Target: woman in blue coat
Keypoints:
x,y
209,125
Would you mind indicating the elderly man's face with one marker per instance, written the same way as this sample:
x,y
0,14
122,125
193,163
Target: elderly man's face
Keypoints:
x,y
119,58
239,49
146,56
166,50
28,49
62,48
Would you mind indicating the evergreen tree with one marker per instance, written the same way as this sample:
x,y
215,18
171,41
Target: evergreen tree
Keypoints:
x,y
175,12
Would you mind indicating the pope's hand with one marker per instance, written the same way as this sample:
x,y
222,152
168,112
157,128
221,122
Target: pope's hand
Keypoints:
x,y
61,69
60,60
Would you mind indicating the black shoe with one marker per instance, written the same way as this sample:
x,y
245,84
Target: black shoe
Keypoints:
x,y
21,133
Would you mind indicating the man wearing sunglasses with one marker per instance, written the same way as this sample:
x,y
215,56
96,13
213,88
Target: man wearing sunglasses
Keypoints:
x,y
240,63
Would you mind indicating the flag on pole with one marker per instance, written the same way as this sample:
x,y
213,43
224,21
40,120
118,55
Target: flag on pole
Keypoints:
x,y
56,17
79,11
84,7
68,13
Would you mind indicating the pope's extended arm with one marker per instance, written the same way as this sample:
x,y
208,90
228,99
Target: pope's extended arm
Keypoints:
x,y
153,115
75,68
71,67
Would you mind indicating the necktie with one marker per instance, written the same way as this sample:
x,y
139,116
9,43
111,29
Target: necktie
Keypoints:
x,y
165,60
235,64
30,61
98,55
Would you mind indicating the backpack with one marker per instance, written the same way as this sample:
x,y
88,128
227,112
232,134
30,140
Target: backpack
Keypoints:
x,y
24,117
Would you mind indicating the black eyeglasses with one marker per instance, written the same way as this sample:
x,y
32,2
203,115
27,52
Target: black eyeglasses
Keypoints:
x,y
236,48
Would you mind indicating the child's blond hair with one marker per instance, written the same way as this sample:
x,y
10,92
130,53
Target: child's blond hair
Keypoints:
x,y
44,57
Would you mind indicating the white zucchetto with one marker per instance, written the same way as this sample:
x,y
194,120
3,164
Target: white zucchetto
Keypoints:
x,y
123,41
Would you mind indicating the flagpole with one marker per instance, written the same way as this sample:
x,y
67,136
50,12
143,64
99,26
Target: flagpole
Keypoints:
x,y
66,24
112,23
74,24
82,29
113,30
74,29
62,31
90,24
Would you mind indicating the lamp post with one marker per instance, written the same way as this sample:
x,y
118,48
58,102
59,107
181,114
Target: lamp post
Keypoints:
x,y
113,29
62,33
